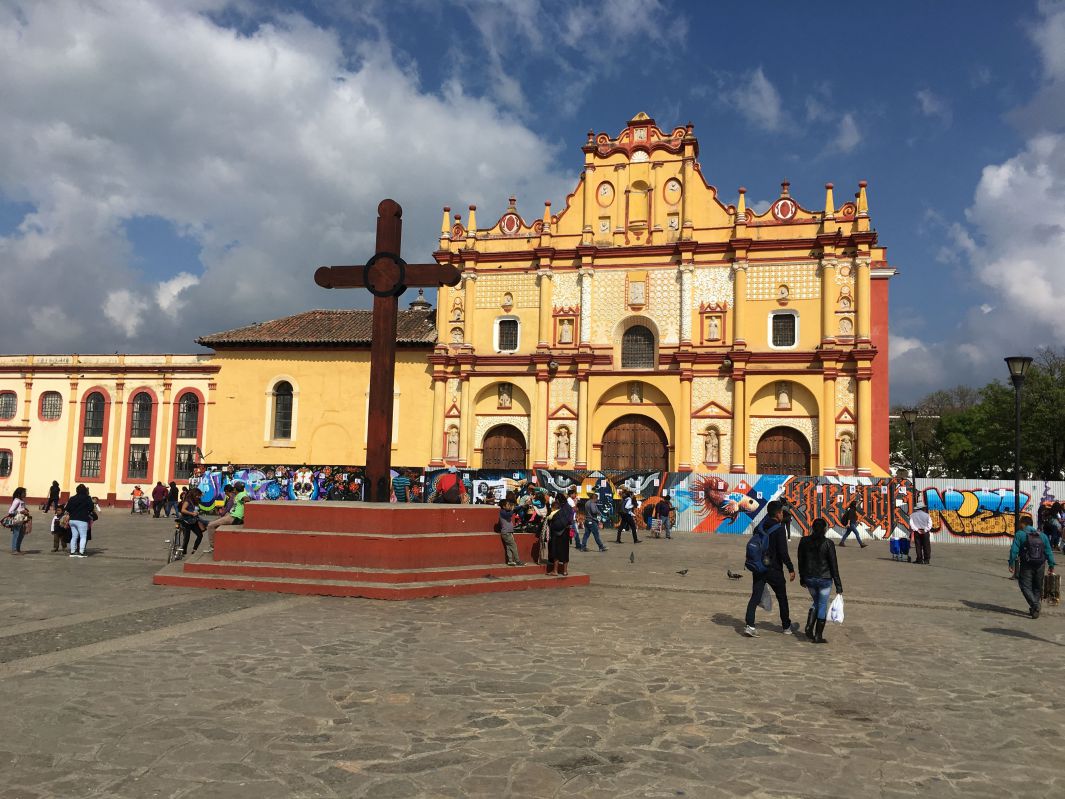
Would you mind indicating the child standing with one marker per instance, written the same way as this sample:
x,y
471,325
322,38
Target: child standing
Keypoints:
x,y
60,531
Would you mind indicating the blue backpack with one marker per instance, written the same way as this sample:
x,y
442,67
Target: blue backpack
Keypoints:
x,y
758,549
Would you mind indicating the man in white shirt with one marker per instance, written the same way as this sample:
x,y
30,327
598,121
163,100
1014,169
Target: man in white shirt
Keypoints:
x,y
921,527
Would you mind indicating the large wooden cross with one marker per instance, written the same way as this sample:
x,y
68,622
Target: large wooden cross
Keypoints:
x,y
387,276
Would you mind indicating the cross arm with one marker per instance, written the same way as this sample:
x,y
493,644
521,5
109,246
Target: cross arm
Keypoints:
x,y
418,275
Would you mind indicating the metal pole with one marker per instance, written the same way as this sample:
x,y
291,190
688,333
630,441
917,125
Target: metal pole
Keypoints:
x,y
1017,455
913,452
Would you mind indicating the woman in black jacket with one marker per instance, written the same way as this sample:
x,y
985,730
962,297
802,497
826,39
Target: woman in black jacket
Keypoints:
x,y
558,524
817,573
81,511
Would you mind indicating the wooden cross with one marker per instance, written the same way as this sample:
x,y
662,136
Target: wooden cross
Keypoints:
x,y
387,276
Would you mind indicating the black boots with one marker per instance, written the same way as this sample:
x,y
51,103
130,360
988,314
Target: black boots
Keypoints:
x,y
819,629
810,619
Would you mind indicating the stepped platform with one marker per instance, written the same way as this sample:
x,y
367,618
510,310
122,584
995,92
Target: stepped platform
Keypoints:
x,y
361,549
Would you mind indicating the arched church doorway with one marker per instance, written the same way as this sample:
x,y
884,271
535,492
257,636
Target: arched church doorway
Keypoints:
x,y
635,443
783,450
503,448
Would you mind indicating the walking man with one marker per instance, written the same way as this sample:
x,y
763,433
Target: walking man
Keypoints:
x,y
628,516
850,521
591,523
1029,557
767,555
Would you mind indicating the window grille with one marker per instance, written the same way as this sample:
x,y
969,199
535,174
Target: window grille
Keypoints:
x,y
184,461
5,462
51,405
283,410
141,425
138,461
90,460
638,348
8,405
188,416
783,330
93,426
508,335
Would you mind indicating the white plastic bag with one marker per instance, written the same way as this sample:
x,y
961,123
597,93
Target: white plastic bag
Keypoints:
x,y
835,610
766,602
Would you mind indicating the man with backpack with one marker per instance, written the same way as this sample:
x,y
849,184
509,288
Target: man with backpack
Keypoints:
x,y
767,555
1029,557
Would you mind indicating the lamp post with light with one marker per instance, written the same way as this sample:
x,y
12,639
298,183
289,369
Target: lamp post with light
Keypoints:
x,y
909,416
1018,366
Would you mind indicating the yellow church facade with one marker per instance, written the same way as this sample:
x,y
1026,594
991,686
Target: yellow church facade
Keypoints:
x,y
647,325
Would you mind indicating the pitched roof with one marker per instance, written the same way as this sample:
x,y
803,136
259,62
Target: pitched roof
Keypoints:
x,y
414,327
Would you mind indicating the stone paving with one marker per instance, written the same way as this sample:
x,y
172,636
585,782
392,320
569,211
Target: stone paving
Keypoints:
x,y
638,686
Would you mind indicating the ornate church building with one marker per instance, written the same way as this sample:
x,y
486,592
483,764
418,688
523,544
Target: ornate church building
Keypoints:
x,y
644,326
647,325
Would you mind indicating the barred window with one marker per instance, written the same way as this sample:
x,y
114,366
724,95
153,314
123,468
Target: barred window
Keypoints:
x,y
184,460
283,410
8,404
638,348
783,327
51,405
188,415
93,425
5,462
138,461
508,335
90,460
141,426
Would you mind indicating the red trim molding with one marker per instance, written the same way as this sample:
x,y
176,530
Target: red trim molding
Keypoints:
x,y
103,440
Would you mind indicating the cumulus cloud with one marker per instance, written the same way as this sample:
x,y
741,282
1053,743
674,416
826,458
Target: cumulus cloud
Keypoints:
x,y
934,106
847,134
265,145
756,98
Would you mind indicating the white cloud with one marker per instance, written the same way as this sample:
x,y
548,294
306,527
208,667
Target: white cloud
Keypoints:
x,y
847,134
757,99
266,146
900,345
934,106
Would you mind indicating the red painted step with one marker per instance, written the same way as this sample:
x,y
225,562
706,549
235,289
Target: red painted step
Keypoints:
x,y
355,574
371,517
371,590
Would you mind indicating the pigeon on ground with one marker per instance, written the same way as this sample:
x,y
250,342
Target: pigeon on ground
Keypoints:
x,y
682,572
733,576
632,557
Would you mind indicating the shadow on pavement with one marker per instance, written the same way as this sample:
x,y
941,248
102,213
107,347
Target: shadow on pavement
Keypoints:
x,y
989,608
1020,634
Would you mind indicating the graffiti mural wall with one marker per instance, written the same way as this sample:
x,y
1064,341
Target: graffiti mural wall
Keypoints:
x,y
730,504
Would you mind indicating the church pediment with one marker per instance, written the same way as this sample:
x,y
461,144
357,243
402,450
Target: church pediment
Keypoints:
x,y
845,417
563,412
712,411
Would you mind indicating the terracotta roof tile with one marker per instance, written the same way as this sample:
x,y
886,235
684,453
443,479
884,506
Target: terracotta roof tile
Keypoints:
x,y
415,327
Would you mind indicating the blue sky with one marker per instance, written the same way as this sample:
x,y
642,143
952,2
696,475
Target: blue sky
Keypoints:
x,y
172,169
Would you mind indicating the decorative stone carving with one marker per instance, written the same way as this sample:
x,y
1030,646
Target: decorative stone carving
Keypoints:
x,y
457,309
783,395
712,446
456,335
846,452
504,395
452,442
635,392
562,439
565,331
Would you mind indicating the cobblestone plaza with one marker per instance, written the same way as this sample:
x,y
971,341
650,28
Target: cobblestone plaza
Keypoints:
x,y
638,686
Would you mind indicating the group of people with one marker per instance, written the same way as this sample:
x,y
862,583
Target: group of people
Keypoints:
x,y
165,499
192,521
71,524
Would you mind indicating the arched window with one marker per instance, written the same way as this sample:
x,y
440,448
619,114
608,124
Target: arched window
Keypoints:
x,y
188,415
51,406
141,422
8,404
93,426
283,410
638,348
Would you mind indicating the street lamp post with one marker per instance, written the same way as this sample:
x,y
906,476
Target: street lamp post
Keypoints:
x,y
1018,366
910,417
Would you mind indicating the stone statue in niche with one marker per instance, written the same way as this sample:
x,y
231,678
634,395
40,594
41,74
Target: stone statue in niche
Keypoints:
x,y
457,309
846,327
505,394
604,225
844,303
452,442
712,446
565,331
635,392
846,452
783,395
508,300
637,293
713,328
562,444
456,335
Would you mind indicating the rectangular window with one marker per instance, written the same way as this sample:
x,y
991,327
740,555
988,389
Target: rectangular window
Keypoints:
x,y
138,461
282,417
94,419
184,460
90,460
51,405
141,426
8,405
508,335
5,462
784,330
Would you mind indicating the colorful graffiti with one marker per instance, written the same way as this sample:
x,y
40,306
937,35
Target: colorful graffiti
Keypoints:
x,y
728,504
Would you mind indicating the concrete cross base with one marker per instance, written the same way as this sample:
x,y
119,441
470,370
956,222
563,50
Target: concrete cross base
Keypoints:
x,y
373,550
